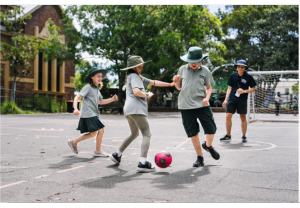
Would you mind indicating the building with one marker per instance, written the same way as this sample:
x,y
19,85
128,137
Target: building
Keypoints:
x,y
47,78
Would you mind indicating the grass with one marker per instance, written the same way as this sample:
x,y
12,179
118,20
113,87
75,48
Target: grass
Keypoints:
x,y
10,107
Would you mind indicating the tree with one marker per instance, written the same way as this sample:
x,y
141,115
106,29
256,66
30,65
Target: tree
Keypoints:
x,y
157,33
23,48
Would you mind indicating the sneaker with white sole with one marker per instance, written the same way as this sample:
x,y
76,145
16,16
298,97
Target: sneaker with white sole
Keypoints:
x,y
146,168
114,157
100,154
73,146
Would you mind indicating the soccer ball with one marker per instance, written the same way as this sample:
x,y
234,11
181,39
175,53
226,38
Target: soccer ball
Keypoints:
x,y
163,159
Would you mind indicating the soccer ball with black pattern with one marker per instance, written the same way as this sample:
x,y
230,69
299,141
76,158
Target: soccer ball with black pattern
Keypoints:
x,y
163,159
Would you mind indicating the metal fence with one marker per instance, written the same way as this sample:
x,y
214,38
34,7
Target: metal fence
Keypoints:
x,y
35,102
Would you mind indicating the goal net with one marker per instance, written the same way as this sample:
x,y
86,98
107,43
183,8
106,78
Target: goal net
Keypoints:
x,y
261,103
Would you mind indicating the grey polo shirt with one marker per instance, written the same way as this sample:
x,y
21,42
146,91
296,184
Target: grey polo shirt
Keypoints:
x,y
193,86
135,104
91,96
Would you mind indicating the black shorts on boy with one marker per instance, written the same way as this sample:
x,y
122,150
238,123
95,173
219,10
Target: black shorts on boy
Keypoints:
x,y
235,106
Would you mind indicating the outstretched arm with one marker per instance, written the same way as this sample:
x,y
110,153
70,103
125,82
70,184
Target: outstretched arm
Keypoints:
x,y
161,84
106,101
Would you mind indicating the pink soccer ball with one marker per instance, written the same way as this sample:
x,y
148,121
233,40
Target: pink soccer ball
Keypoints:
x,y
163,159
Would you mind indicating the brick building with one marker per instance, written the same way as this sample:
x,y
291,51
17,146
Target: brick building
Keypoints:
x,y
47,78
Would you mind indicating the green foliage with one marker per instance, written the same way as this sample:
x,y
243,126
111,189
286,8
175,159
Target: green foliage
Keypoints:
x,y
10,107
266,35
295,89
157,33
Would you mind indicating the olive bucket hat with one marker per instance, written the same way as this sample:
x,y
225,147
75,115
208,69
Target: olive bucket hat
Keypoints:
x,y
135,61
94,71
194,55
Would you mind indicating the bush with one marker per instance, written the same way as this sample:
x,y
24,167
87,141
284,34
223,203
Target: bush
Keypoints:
x,y
9,107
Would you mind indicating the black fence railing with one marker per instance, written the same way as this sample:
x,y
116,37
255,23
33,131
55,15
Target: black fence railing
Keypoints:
x,y
35,102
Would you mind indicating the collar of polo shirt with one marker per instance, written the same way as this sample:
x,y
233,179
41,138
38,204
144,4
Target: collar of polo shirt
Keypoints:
x,y
189,67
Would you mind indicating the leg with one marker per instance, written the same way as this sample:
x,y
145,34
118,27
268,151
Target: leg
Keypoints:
x,y
209,139
99,139
134,133
143,125
229,123
84,137
197,146
243,123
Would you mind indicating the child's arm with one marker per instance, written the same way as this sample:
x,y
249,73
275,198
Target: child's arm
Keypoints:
x,y
76,111
161,84
106,101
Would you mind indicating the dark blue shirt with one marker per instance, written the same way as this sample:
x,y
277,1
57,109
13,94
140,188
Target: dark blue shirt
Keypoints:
x,y
245,81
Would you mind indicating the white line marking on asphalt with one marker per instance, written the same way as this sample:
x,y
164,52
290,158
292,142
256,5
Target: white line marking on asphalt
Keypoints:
x,y
12,184
70,169
21,135
134,154
182,143
5,134
96,162
42,176
44,136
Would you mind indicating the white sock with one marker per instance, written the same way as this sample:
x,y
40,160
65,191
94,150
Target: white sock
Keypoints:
x,y
119,153
143,160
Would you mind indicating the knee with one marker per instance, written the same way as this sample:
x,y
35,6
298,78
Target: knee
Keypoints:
x,y
243,119
93,134
147,133
135,134
101,131
228,117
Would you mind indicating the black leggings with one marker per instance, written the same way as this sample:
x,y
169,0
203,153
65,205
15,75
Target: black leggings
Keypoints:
x,y
277,108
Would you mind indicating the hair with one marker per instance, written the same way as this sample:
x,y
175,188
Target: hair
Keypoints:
x,y
131,71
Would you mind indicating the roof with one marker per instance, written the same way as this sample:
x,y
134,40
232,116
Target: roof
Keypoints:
x,y
29,9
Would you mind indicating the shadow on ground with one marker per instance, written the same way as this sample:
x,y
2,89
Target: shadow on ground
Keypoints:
x,y
69,160
165,180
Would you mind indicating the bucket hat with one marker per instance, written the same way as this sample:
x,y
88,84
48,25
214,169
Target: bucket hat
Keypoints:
x,y
194,55
241,62
135,61
94,71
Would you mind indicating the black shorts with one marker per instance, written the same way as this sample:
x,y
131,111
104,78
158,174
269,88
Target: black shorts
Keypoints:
x,y
205,116
233,106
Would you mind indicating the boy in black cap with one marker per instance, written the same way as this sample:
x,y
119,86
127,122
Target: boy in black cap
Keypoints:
x,y
237,92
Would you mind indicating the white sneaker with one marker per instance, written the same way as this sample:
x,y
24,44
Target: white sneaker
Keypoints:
x,y
100,154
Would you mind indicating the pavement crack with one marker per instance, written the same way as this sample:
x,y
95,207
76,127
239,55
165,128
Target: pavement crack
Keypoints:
x,y
274,188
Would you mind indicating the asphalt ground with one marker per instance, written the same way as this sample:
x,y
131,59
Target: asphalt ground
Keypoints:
x,y
37,164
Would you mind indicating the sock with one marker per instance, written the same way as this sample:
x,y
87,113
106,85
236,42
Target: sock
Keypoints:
x,y
143,160
119,153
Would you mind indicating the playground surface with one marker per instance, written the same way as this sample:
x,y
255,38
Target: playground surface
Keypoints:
x,y
37,164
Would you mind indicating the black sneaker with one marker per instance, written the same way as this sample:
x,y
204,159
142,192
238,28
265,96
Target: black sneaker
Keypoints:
x,y
147,168
199,162
244,139
212,151
226,137
114,157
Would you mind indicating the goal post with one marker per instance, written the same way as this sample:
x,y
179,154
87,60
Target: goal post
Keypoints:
x,y
261,104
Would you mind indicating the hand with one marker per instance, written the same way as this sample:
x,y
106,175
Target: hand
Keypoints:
x,y
176,78
172,84
241,91
224,104
205,102
114,98
150,94
76,112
